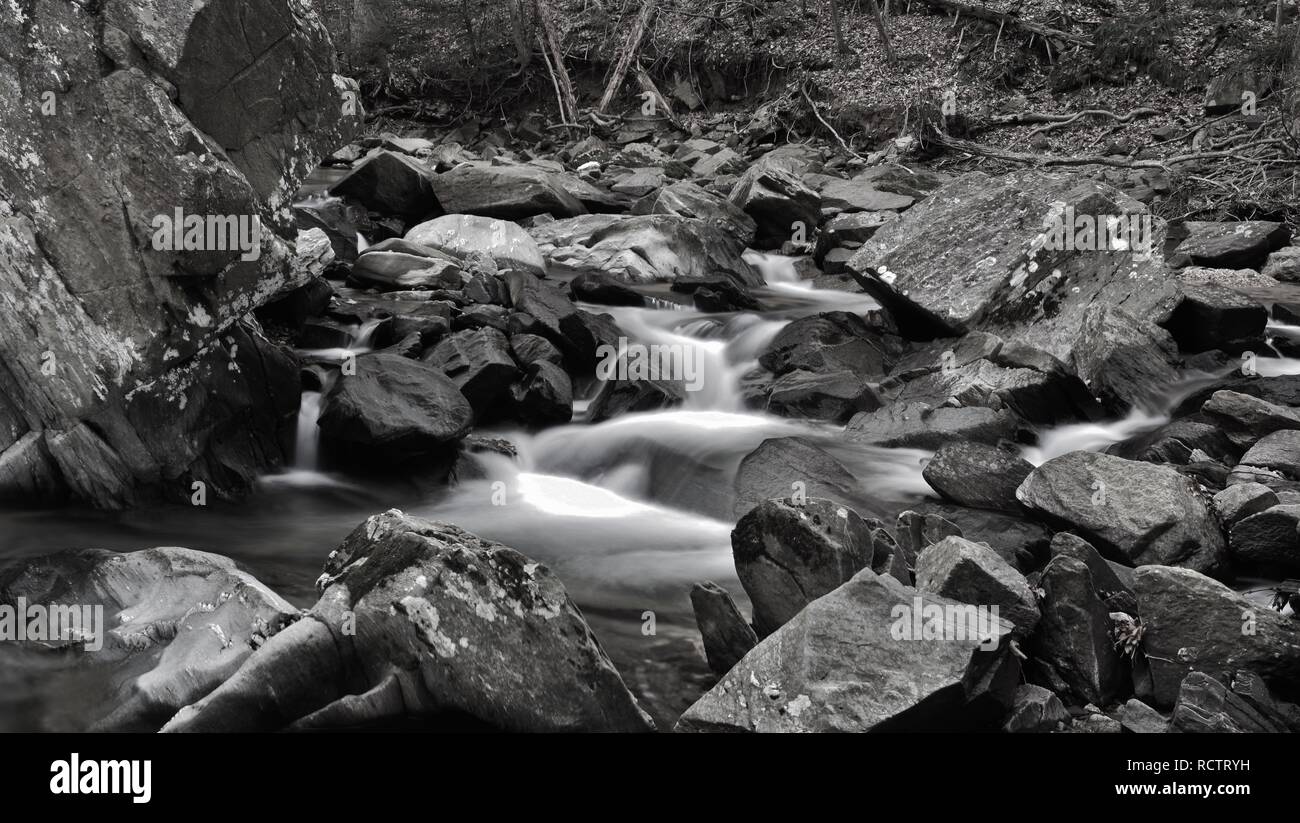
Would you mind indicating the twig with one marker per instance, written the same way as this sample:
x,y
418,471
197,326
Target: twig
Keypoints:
x,y
828,126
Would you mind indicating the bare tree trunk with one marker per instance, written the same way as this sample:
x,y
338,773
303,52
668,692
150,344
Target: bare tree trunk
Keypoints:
x,y
519,31
884,33
627,53
550,38
840,46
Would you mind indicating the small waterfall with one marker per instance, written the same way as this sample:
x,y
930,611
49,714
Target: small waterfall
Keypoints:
x,y
307,443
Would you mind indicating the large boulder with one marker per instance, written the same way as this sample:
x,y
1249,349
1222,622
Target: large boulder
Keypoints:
x,y
505,192
109,330
1269,539
1195,624
422,620
176,624
394,407
792,467
872,655
391,184
831,342
1134,512
691,201
778,201
973,573
788,554
978,475
463,236
657,248
478,361
1242,244
1073,647
989,253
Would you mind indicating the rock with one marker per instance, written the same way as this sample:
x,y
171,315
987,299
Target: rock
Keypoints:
x,y
722,297
1017,540
1035,709
978,475
1073,643
973,573
1255,417
1206,705
505,192
176,623
530,348
544,396
1279,451
915,531
727,637
109,321
1210,316
1242,500
690,201
1139,718
789,554
1193,623
1269,539
619,397
479,363
851,227
1110,587
656,248
1133,512
1234,245
917,425
829,342
791,466
398,264
859,195
394,408
834,396
598,287
640,182
462,236
976,254
391,183
1096,723
839,665
1284,265
467,628
556,318
1126,361
777,201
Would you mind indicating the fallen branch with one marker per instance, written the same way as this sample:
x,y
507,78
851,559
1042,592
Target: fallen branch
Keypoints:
x,y
828,126
984,13
1067,120
982,150
627,53
549,39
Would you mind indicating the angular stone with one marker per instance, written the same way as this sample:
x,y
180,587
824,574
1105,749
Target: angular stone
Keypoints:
x,y
973,573
727,637
1073,641
978,475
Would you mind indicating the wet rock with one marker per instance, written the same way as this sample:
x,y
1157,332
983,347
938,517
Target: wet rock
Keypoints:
x,y
839,665
1211,316
394,407
1193,623
690,201
833,396
462,236
399,264
544,395
1250,415
556,318
177,623
1279,452
391,183
619,397
479,363
1035,709
1019,541
530,348
719,296
855,227
788,554
1110,587
727,637
785,467
860,195
1126,361
1234,245
505,192
978,475
830,342
1133,512
973,573
1284,265
1269,539
776,200
469,629
915,531
917,425
1073,643
597,287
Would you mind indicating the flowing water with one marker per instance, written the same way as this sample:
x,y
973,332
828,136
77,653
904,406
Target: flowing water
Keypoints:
x,y
629,512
